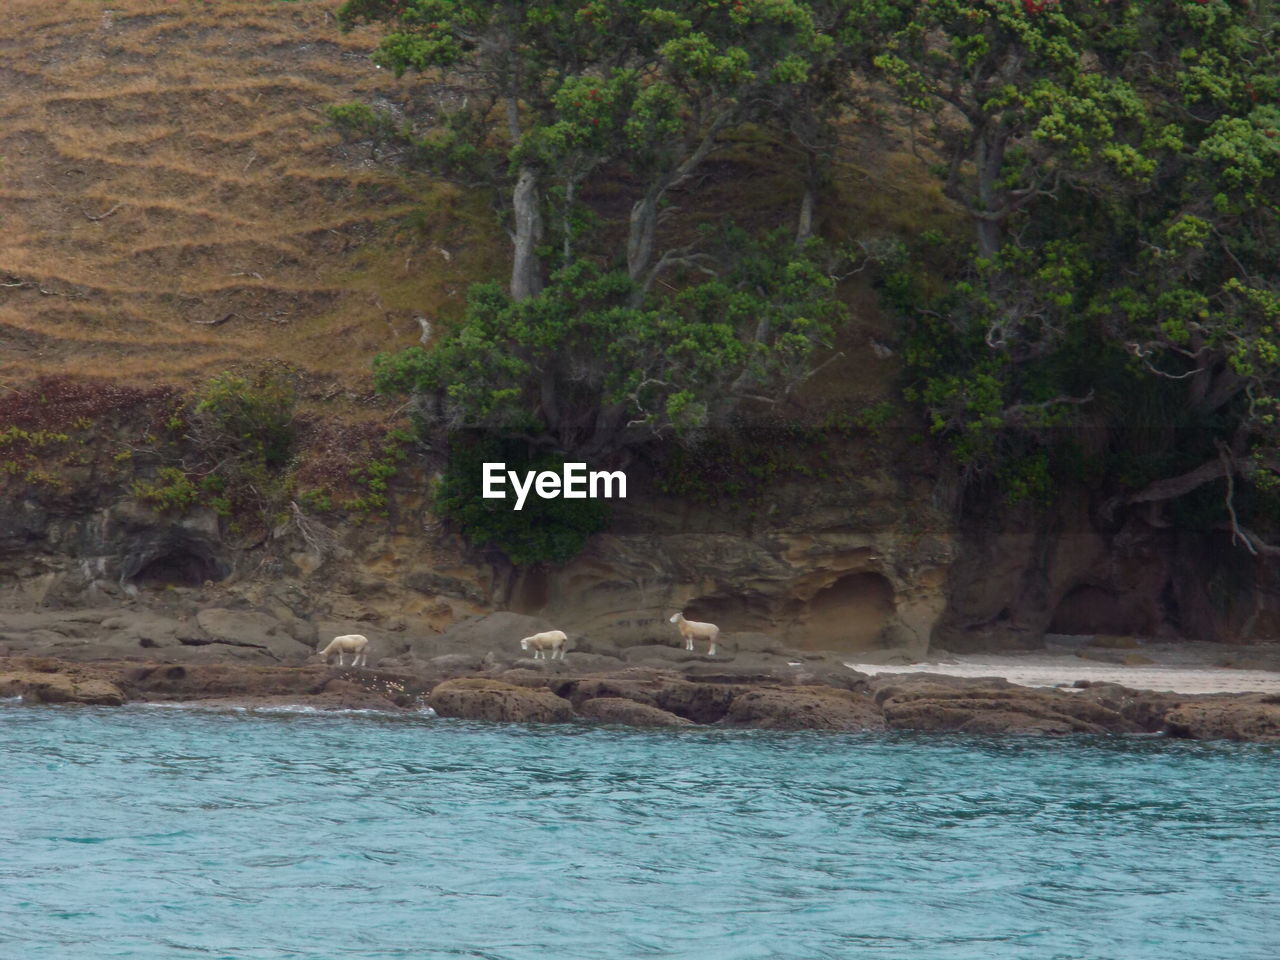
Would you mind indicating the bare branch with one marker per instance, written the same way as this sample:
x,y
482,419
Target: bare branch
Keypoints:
x,y
1021,411
1173,487
1236,536
1254,543
102,216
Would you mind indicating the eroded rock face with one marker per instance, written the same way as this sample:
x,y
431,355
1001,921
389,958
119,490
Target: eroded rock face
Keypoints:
x,y
1085,568
477,698
804,708
845,566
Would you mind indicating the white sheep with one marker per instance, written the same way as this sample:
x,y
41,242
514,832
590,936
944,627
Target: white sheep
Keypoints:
x,y
693,630
553,640
352,643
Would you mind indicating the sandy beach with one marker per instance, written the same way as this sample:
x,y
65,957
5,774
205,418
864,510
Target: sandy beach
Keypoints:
x,y
1176,668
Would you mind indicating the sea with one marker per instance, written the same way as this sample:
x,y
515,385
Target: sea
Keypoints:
x,y
173,832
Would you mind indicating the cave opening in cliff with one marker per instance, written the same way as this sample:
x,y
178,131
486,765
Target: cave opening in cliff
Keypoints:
x,y
1090,609
177,568
849,614
530,591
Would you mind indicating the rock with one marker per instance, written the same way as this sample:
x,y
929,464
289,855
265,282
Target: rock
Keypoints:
x,y
203,680
989,705
804,708
1115,656
1260,657
475,698
657,652
457,664
592,662
243,628
752,643
579,692
1006,722
620,710
699,702
496,633
1111,641
343,694
1229,717
38,687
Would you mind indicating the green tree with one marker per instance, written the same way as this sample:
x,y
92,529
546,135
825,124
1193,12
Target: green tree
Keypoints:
x,y
590,369
555,92
510,58
1140,286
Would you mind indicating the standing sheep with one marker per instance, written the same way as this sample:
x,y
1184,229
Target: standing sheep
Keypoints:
x,y
553,640
692,629
352,643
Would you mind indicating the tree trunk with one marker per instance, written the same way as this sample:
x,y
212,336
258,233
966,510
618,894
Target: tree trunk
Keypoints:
x,y
644,227
804,223
989,161
526,267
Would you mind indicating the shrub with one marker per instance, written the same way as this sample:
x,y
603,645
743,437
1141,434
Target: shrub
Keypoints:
x,y
545,531
249,417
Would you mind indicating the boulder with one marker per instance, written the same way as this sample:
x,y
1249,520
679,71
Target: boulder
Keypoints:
x,y
621,710
244,628
1226,717
39,687
990,705
804,708
476,698
344,694
699,702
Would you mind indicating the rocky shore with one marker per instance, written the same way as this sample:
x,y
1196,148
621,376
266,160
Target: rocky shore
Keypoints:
x,y
538,692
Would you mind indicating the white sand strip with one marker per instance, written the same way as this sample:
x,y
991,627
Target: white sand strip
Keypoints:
x,y
1050,671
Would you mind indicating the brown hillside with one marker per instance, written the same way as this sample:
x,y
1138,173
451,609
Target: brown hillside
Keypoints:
x,y
173,202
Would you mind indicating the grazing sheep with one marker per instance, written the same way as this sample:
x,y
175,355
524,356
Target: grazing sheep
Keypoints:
x,y
553,640
693,630
352,643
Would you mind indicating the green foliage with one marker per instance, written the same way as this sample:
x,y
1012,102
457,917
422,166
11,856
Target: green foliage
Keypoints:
x,y
743,464
1119,324
315,501
642,90
545,531
15,437
588,366
250,417
171,491
375,474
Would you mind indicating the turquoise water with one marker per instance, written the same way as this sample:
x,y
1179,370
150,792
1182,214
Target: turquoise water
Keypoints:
x,y
143,832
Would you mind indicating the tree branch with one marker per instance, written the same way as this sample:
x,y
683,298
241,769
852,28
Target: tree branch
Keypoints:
x,y
1173,487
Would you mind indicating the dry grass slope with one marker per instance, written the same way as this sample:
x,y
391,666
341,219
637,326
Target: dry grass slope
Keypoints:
x,y
173,203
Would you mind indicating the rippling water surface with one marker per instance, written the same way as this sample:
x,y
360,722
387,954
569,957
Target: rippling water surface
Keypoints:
x,y
147,833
